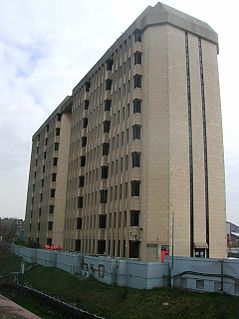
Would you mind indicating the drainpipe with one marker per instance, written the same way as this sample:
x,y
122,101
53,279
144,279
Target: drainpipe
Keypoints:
x,y
222,273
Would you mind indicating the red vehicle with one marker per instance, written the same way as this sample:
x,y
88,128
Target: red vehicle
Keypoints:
x,y
53,247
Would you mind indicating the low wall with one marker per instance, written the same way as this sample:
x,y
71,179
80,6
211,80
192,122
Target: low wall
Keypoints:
x,y
126,272
70,262
47,257
211,275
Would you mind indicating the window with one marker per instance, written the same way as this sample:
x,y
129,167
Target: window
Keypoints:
x,y
56,146
49,241
199,284
58,130
45,155
102,221
50,225
107,105
87,86
81,181
108,84
106,126
82,161
87,103
38,226
83,141
133,249
41,197
51,209
47,128
46,141
103,196
137,81
58,117
53,191
137,36
78,223
85,122
101,247
53,177
109,64
43,168
135,188
105,149
134,218
137,106
104,172
55,160
36,162
135,159
137,57
80,202
77,244
136,132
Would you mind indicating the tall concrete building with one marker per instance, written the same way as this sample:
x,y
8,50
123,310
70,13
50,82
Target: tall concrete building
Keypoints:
x,y
139,141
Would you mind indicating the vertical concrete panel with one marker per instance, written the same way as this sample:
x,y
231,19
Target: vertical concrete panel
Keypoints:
x,y
155,140
216,177
198,144
178,140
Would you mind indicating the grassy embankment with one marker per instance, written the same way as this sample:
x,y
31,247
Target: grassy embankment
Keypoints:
x,y
115,302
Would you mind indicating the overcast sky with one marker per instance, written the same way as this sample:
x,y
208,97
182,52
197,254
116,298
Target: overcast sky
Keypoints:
x,y
47,46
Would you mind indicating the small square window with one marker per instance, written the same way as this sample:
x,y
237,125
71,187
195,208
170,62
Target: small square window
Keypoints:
x,y
50,225
136,132
135,188
78,223
199,284
51,209
53,191
137,106
56,146
137,81
137,57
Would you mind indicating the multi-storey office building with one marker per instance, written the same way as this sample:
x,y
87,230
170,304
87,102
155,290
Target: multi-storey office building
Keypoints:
x,y
144,143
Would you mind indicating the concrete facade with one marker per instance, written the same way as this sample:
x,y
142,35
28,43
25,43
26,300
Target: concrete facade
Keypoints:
x,y
141,141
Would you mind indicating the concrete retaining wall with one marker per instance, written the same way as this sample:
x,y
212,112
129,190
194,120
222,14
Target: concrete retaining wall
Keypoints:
x,y
212,275
70,262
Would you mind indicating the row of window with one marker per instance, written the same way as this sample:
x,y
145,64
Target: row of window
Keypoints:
x,y
49,226
135,192
112,220
114,248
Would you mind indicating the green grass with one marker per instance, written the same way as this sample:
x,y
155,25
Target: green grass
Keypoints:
x,y
8,261
114,302
121,302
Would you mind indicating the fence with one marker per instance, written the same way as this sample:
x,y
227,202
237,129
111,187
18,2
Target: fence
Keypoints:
x,y
212,275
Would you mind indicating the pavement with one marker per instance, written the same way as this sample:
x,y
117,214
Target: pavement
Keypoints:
x,y
11,310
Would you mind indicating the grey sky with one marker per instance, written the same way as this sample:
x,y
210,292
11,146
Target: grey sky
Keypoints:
x,y
46,47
